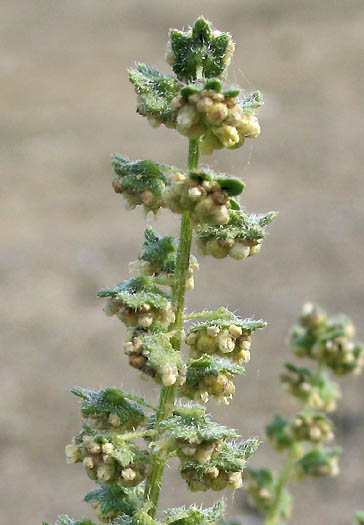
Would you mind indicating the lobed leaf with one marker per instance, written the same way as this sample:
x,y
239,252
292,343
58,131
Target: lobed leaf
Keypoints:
x,y
63,519
194,515
231,458
208,365
199,51
140,175
156,91
243,226
161,352
194,424
252,101
161,251
109,400
116,499
138,291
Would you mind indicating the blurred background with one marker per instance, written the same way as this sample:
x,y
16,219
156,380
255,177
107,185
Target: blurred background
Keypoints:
x,y
66,103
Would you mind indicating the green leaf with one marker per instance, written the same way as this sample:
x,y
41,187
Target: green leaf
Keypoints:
x,y
116,499
232,185
108,401
231,93
319,462
193,425
208,365
162,355
252,101
138,291
261,486
199,51
278,432
125,453
141,517
225,321
140,175
232,458
161,252
242,226
263,476
63,519
189,90
214,84
195,515
321,392
155,92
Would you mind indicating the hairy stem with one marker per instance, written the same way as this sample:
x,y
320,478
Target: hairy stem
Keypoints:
x,y
273,517
135,435
167,395
139,400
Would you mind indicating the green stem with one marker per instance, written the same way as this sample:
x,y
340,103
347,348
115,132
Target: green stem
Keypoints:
x,y
320,366
135,435
273,517
168,281
139,400
193,154
167,395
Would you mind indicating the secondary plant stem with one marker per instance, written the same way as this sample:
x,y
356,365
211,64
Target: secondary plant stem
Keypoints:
x,y
139,400
167,396
273,515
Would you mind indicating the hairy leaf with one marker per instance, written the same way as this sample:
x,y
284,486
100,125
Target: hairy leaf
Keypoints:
x,y
138,291
116,499
156,91
199,51
107,401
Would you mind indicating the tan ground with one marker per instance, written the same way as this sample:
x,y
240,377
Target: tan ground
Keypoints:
x,y
65,104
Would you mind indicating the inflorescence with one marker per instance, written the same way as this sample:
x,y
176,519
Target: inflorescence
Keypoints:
x,y
125,441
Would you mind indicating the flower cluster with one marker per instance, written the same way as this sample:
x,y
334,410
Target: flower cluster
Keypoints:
x,y
317,391
314,427
195,102
140,182
319,462
219,117
210,376
158,258
224,470
205,194
192,434
240,238
108,459
306,426
139,303
328,340
260,486
227,336
154,355
109,410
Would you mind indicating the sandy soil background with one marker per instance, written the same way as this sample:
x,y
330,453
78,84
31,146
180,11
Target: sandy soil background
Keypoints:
x,y
65,105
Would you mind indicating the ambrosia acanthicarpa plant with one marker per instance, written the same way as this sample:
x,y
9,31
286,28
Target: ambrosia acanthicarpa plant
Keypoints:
x,y
125,441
